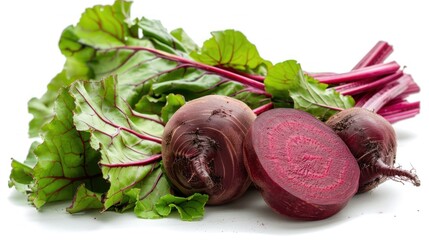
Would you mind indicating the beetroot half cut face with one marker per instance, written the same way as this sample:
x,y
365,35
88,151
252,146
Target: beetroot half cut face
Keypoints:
x,y
301,167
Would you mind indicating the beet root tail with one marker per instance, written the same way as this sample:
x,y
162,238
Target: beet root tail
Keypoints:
x,y
397,173
202,172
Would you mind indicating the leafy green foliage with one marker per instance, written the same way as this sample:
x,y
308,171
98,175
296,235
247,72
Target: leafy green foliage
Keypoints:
x,y
290,87
104,26
21,176
42,108
89,48
174,102
231,49
185,40
65,159
99,27
189,208
129,146
124,137
96,48
85,200
159,36
150,192
91,125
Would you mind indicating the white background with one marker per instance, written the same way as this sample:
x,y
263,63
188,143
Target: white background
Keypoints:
x,y
322,35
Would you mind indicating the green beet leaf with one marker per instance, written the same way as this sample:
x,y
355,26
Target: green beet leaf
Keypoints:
x,y
85,200
129,142
89,46
194,83
151,104
185,40
151,189
104,26
42,108
231,49
65,158
145,78
21,176
174,102
189,208
159,36
100,26
136,70
290,87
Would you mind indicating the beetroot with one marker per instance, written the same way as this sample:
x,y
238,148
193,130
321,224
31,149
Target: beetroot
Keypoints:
x,y
372,140
302,168
202,148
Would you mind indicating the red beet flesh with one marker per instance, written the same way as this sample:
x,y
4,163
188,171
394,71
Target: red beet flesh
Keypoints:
x,y
302,168
202,148
372,140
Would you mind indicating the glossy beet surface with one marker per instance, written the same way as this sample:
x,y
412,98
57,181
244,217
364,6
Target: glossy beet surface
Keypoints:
x,y
202,148
302,168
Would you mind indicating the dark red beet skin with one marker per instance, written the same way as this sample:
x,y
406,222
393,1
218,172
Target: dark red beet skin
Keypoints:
x,y
202,148
302,168
372,140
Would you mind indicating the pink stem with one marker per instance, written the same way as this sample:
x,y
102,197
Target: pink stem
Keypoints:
x,y
402,115
219,71
377,70
366,85
376,55
387,93
398,106
320,74
258,78
263,108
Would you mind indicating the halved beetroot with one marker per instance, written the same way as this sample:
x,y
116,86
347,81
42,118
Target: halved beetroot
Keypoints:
x,y
301,167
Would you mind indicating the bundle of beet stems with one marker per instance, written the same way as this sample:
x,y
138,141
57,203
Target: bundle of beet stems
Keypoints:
x,y
375,85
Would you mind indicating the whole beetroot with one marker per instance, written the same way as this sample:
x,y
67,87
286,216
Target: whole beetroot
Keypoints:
x,y
202,148
372,140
